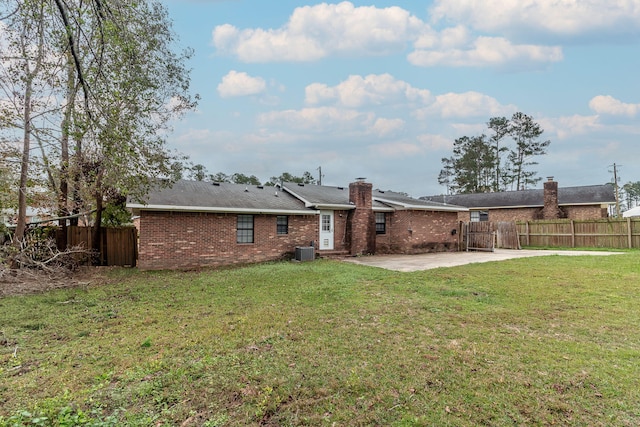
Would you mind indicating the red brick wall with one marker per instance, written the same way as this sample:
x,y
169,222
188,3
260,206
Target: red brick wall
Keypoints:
x,y
531,214
522,214
340,238
586,212
414,232
361,223
191,240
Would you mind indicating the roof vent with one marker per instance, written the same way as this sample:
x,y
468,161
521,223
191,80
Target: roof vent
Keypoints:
x,y
246,189
300,184
340,188
361,179
217,184
261,186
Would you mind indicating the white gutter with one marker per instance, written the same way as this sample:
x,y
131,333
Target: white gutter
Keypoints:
x,y
383,209
422,207
334,207
171,208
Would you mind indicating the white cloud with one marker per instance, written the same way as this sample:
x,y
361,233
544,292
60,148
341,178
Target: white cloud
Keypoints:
x,y
385,90
385,127
322,119
569,126
483,52
314,32
555,17
240,84
468,104
605,104
448,38
358,91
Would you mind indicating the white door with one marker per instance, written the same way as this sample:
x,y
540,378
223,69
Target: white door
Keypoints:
x,y
326,230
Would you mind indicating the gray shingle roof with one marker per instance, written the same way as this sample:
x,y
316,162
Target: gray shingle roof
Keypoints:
x,y
584,195
222,197
399,200
321,196
292,198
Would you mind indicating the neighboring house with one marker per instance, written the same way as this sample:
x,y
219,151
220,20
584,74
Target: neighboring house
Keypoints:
x,y
632,213
551,202
197,224
9,217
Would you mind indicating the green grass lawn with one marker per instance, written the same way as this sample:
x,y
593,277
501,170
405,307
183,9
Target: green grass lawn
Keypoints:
x,y
538,341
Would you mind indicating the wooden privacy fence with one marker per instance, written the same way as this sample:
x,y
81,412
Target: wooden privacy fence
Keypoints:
x,y
609,233
485,236
118,246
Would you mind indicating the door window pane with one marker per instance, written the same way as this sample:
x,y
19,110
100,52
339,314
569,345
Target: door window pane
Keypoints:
x,y
326,222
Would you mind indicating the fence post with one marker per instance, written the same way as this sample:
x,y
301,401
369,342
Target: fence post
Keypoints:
x,y
466,228
573,234
629,234
527,231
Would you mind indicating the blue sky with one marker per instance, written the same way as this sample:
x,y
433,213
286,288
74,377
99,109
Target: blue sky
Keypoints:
x,y
381,89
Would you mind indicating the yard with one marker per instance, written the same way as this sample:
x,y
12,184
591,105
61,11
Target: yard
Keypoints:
x,y
536,341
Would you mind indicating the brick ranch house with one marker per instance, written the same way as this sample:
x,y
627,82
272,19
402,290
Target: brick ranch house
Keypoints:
x,y
200,224
551,202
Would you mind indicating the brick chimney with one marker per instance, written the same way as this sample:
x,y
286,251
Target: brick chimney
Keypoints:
x,y
361,224
550,209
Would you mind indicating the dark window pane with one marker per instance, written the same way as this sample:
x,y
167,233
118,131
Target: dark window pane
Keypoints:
x,y
282,224
381,223
245,229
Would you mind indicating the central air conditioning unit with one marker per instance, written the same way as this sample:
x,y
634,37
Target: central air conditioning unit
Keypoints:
x,y
305,253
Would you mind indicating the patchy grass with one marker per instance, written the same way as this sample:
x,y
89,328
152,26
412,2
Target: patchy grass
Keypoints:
x,y
537,341
579,249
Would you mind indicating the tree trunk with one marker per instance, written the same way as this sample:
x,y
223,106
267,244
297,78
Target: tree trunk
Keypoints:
x,y
63,195
30,74
96,245
24,167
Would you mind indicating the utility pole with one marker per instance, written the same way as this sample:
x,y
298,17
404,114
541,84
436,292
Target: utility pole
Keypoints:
x,y
615,186
319,175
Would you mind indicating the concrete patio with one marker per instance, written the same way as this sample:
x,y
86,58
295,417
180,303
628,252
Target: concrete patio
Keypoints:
x,y
452,259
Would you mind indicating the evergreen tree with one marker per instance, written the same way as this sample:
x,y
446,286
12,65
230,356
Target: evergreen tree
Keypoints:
x,y
525,133
471,166
495,163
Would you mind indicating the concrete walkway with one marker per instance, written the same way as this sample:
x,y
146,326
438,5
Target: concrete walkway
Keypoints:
x,y
451,259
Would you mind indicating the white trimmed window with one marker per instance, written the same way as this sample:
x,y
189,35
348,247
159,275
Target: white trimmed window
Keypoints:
x,y
282,224
381,223
245,229
479,216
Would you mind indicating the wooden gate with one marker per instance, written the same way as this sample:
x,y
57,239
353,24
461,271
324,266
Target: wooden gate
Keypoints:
x,y
486,236
479,236
507,235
